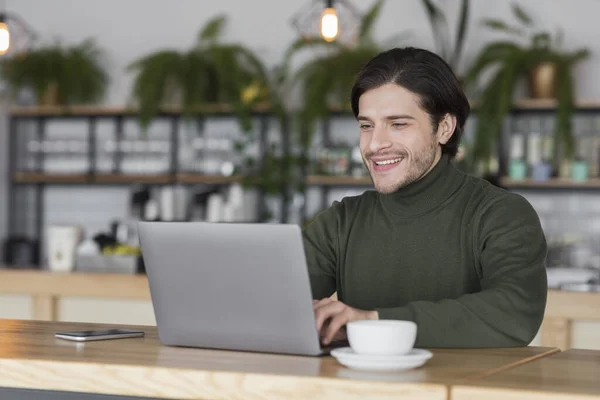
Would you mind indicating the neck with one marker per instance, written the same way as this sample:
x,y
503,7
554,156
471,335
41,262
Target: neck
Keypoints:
x,y
427,193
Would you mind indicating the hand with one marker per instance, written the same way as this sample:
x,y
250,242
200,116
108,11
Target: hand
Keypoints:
x,y
332,315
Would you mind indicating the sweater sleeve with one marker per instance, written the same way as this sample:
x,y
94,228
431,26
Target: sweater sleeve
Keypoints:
x,y
509,309
320,246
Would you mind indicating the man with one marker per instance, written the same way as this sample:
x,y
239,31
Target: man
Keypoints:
x,y
462,258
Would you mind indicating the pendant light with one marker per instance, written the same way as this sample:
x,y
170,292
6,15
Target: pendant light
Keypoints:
x,y
332,20
15,34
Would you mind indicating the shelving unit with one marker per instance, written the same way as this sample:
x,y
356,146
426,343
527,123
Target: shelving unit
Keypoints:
x,y
88,119
556,184
337,180
38,179
112,179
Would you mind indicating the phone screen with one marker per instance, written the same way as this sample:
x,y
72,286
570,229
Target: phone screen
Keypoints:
x,y
105,332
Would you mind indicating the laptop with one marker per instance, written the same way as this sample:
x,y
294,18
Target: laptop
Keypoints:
x,y
231,286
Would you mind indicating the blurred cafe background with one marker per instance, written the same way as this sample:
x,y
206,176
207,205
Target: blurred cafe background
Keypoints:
x,y
238,111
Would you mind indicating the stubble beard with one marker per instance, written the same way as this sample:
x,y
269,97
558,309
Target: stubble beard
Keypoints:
x,y
419,166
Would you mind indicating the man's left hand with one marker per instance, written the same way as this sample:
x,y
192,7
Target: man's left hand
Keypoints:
x,y
338,315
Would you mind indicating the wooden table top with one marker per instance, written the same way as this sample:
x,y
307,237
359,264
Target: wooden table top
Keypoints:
x,y
31,357
573,374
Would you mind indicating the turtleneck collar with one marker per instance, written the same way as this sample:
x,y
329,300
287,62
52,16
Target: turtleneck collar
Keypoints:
x,y
427,193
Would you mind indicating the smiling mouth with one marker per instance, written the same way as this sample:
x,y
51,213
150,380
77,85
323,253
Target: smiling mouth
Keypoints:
x,y
388,162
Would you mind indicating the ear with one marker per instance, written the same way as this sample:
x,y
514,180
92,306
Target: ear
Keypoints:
x,y
446,128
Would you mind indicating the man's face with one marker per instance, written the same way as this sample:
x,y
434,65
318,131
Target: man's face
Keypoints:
x,y
397,141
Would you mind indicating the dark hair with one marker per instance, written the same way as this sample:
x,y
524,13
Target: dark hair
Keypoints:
x,y
425,74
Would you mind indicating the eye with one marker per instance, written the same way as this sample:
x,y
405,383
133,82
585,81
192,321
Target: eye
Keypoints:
x,y
398,124
365,126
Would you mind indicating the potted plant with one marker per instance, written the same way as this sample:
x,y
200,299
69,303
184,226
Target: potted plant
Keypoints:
x,y
58,74
450,52
209,73
326,80
514,60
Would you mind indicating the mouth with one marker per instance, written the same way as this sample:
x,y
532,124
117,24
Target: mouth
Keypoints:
x,y
386,165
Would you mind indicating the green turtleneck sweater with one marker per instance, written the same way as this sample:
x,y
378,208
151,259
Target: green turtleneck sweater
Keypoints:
x,y
462,258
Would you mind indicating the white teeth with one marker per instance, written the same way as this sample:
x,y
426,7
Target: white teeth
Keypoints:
x,y
388,161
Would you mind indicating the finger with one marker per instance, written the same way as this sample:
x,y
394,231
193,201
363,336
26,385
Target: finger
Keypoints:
x,y
327,311
322,302
336,323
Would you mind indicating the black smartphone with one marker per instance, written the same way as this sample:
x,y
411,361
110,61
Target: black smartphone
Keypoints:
x,y
87,336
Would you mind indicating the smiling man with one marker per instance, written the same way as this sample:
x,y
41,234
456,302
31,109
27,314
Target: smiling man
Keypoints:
x,y
462,258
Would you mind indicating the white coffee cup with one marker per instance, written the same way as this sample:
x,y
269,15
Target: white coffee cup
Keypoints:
x,y
381,337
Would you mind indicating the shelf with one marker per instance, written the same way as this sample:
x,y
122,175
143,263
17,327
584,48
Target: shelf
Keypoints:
x,y
319,180
133,178
550,104
186,178
34,177
557,183
112,111
208,179
338,180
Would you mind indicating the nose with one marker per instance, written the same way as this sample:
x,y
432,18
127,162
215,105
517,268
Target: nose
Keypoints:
x,y
380,140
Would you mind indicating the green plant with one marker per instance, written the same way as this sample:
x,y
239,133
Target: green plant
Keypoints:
x,y
511,61
209,73
325,80
441,32
70,74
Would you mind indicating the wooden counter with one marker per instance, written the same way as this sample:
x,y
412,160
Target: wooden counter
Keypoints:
x,y
30,357
573,374
46,289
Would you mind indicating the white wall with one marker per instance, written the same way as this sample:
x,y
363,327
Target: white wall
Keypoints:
x,y
132,28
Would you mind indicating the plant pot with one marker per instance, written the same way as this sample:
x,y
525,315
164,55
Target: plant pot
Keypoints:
x,y
517,170
542,81
579,171
542,171
50,96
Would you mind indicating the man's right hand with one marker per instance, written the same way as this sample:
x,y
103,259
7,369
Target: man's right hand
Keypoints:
x,y
333,315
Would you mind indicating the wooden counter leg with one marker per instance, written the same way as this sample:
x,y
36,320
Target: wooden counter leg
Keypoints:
x,y
556,332
45,308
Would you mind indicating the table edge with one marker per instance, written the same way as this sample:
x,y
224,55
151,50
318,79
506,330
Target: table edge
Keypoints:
x,y
71,373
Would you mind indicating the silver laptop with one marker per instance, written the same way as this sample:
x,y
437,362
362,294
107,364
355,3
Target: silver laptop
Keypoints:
x,y
230,286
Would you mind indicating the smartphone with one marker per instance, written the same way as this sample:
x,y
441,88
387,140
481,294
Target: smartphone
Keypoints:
x,y
87,336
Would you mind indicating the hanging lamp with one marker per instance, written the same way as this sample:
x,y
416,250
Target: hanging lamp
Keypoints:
x,y
332,20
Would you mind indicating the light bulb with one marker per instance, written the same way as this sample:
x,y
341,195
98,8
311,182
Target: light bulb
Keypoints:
x,y
329,24
4,38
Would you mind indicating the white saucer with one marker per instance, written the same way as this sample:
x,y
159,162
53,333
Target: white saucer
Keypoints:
x,y
413,359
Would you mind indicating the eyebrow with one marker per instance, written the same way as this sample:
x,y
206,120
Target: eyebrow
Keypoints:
x,y
389,117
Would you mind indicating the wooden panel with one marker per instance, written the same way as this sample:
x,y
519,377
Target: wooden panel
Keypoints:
x,y
130,178
45,307
574,374
551,183
208,179
34,111
556,332
33,177
530,104
85,110
79,284
26,177
338,180
573,305
144,367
